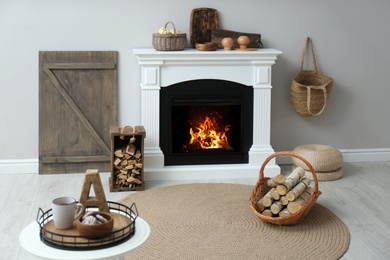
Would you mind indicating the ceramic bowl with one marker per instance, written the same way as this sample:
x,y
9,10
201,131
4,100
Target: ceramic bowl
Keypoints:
x,y
96,231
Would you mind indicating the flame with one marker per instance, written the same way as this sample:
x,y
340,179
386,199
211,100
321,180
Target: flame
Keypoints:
x,y
207,135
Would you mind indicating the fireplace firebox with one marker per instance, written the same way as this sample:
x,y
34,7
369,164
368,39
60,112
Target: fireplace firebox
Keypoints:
x,y
206,122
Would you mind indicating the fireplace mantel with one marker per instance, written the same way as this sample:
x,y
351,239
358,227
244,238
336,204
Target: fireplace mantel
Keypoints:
x,y
163,68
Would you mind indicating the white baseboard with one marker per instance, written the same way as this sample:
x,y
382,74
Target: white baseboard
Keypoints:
x,y
354,155
17,166
366,155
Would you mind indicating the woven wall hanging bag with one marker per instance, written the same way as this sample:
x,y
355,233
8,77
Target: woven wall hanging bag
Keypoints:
x,y
310,89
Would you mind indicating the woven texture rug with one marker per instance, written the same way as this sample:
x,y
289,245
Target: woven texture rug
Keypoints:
x,y
214,221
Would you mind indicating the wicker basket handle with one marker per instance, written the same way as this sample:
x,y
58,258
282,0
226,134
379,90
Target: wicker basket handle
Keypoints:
x,y
312,54
261,174
308,103
173,25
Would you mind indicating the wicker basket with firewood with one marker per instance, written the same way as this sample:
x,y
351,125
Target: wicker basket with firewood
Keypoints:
x,y
284,200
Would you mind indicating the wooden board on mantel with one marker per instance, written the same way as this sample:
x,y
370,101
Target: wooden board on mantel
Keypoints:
x,y
77,105
217,36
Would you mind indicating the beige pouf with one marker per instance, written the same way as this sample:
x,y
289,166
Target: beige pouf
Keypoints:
x,y
327,161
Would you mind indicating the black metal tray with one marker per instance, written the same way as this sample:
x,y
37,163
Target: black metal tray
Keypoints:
x,y
70,239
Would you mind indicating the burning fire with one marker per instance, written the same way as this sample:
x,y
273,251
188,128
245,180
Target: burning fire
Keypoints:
x,y
207,135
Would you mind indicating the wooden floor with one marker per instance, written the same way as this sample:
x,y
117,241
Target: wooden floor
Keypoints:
x,y
361,199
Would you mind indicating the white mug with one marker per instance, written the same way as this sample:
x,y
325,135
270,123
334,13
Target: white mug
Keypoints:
x,y
65,211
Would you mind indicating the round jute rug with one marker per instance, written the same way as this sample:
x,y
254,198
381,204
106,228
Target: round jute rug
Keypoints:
x,y
214,221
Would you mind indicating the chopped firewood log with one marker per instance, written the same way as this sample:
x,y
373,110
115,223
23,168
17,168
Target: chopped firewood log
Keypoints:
x,y
267,199
122,176
271,183
260,207
309,189
284,200
281,189
293,179
117,161
118,153
306,194
267,212
274,194
298,189
135,171
279,179
134,180
284,213
296,205
137,154
276,207
124,162
138,165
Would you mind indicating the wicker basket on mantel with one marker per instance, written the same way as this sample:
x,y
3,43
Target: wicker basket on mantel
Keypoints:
x,y
170,42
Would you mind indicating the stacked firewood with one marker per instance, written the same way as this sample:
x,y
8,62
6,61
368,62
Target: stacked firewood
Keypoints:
x,y
287,194
128,166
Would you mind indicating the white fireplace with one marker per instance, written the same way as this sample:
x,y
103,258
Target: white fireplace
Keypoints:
x,y
161,69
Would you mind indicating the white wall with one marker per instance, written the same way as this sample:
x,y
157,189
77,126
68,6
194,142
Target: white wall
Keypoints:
x,y
351,39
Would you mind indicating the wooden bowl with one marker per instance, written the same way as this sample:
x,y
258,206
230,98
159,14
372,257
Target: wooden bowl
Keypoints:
x,y
206,46
96,231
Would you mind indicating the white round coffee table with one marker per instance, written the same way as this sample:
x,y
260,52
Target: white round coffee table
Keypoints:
x,y
29,240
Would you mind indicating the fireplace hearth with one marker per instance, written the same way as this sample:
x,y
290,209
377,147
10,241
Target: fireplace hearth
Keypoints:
x,y
185,93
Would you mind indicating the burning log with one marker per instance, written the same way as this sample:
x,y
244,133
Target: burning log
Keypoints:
x,y
226,146
207,135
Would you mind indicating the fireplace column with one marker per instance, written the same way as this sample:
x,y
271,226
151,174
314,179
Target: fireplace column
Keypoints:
x,y
261,147
150,112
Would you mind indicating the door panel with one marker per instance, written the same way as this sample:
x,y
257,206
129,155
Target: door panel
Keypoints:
x,y
77,106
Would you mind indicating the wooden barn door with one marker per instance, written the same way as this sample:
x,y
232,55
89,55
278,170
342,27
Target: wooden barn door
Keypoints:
x,y
77,105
